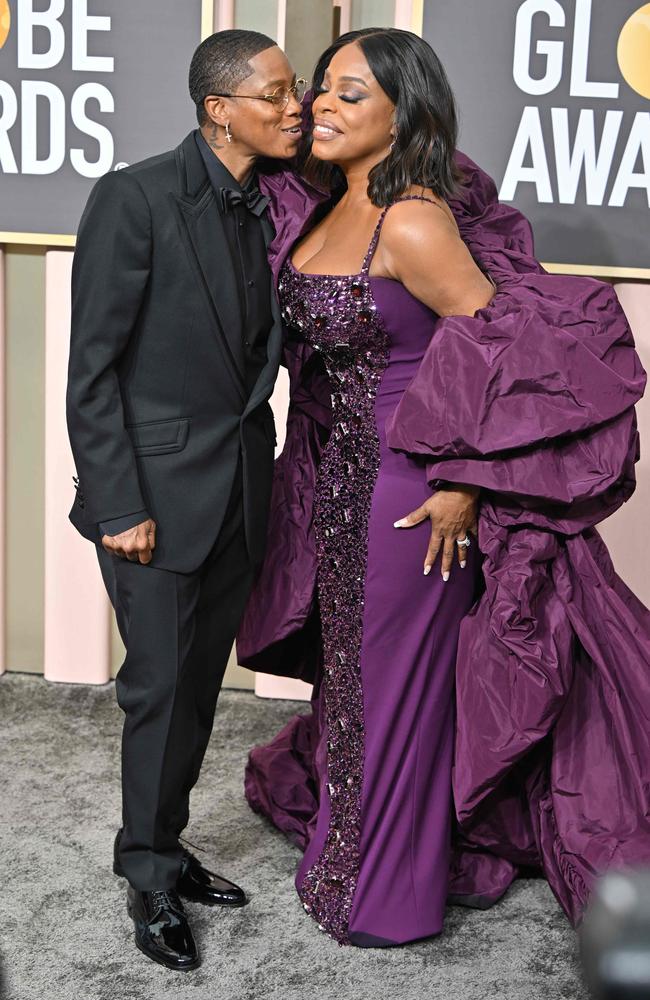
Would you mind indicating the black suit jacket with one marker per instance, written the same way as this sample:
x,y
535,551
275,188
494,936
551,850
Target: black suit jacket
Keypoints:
x,y
157,405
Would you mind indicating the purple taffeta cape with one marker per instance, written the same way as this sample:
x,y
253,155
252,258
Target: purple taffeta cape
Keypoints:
x,y
532,398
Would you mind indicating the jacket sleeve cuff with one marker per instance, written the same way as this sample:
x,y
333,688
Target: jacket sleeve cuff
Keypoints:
x,y
119,524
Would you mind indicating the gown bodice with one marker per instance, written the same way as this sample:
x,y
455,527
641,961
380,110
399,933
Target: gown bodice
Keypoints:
x,y
347,314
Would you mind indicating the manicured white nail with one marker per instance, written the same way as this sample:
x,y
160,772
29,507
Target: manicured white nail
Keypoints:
x,y
427,570
398,524
463,563
445,575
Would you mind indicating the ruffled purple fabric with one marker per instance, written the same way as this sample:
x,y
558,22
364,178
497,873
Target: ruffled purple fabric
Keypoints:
x,y
532,398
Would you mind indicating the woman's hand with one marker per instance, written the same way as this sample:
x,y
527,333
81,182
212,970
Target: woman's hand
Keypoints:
x,y
453,512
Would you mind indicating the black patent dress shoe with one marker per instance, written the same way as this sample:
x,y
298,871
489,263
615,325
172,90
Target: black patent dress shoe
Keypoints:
x,y
162,930
195,882
202,886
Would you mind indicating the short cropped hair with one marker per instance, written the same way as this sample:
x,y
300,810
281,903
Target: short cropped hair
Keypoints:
x,y
220,63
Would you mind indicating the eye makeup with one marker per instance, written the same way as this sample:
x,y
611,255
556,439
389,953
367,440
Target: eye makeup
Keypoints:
x,y
348,98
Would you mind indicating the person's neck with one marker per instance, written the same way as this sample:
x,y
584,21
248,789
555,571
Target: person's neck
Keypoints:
x,y
239,164
356,177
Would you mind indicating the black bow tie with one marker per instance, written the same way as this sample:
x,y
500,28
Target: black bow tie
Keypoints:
x,y
253,199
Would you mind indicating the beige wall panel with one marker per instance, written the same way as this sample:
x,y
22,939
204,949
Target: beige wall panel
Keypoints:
x,y
257,15
76,646
238,677
224,15
308,32
373,14
270,686
3,537
403,14
25,456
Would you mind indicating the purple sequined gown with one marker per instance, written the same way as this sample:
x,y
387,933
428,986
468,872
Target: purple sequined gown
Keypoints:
x,y
376,864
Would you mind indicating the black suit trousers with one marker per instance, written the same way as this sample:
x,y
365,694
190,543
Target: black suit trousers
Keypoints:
x,y
178,629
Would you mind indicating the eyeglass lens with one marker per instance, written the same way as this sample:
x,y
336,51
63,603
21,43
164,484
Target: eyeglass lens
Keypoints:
x,y
281,95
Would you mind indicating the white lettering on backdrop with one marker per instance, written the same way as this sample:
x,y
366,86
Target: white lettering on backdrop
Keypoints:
x,y
42,101
588,149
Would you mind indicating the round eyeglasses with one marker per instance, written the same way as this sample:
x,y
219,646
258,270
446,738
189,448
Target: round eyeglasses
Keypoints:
x,y
279,98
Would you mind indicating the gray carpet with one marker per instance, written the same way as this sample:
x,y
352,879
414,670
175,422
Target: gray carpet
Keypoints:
x,y
65,933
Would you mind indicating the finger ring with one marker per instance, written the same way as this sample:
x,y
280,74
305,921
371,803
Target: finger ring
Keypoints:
x,y
463,541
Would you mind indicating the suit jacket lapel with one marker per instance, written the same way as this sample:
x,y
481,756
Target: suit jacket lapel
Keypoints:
x,y
209,253
269,236
267,230
268,375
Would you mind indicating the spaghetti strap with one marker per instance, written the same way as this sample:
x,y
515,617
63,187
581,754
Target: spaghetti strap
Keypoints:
x,y
373,242
365,267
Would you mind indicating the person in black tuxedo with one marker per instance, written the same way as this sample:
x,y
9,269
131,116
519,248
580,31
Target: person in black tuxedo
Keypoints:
x,y
174,352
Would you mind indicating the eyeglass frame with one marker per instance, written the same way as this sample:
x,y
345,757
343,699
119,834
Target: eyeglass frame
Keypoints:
x,y
269,97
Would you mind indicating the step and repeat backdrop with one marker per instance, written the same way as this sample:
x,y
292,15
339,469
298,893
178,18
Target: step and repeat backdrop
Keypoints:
x,y
82,93
554,98
555,104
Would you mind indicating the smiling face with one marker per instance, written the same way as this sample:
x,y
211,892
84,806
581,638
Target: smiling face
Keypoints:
x,y
257,127
353,116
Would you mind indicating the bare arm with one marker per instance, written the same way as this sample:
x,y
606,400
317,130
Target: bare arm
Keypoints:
x,y
422,249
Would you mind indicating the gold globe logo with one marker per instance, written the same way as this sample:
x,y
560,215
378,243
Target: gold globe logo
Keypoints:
x,y
633,51
5,21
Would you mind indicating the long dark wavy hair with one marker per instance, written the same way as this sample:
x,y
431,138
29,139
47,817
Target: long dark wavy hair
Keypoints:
x,y
410,73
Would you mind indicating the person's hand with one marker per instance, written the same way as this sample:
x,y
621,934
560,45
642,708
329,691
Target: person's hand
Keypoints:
x,y
135,544
452,511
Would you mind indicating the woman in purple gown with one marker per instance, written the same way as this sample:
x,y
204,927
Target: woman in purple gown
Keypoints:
x,y
364,782
359,290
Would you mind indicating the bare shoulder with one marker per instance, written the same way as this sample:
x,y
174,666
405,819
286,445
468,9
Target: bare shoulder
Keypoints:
x,y
422,248
417,193
418,221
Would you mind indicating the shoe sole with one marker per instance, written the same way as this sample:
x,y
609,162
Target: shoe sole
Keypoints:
x,y
160,961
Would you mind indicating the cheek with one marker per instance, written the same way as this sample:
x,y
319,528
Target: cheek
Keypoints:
x,y
362,116
257,132
260,124
363,127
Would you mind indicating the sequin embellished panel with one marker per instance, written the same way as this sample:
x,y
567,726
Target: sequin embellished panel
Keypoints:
x,y
338,317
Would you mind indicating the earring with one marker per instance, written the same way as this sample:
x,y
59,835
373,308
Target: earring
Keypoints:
x,y
228,132
390,148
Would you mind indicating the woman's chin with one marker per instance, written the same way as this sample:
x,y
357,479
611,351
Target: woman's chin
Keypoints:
x,y
321,151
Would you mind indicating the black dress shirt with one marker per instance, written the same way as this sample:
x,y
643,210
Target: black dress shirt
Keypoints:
x,y
246,241
245,238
